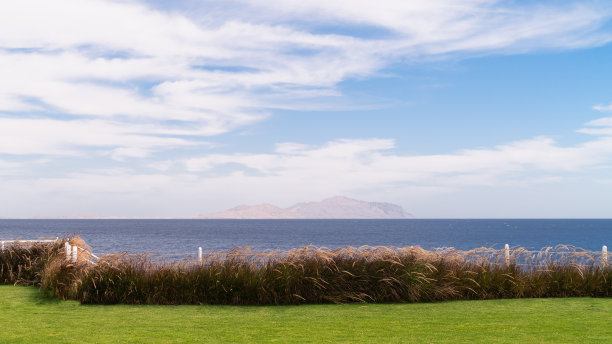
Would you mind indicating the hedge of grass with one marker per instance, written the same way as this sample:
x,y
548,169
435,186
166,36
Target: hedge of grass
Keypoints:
x,y
311,275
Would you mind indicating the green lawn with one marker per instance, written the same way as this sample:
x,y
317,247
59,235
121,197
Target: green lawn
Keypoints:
x,y
27,317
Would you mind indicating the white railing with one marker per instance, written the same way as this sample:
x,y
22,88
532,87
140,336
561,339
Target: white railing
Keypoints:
x,y
507,250
72,251
593,255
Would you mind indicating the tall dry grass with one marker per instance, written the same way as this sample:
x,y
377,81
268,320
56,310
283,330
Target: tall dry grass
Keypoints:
x,y
45,265
23,263
366,274
308,275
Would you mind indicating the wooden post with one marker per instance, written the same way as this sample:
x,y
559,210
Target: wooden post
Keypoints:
x,y
200,254
507,255
74,253
604,254
68,250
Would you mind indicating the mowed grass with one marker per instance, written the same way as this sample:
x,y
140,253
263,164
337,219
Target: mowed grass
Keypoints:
x,y
28,317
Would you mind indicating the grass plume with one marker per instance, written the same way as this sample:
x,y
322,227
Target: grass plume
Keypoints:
x,y
366,274
22,263
309,275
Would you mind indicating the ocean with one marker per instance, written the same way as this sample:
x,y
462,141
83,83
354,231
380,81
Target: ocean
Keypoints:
x,y
167,237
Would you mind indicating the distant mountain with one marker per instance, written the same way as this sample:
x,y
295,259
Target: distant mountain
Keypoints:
x,y
259,211
332,208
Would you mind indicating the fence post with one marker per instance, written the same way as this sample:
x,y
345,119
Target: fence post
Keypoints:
x,y
68,250
2,246
74,253
200,254
604,254
507,255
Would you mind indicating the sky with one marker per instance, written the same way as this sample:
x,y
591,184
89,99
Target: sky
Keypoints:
x,y
451,109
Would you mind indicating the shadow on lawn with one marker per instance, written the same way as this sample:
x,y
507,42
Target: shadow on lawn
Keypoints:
x,y
38,297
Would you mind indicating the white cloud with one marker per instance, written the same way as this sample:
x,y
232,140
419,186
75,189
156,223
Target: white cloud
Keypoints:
x,y
603,107
603,126
368,169
126,81
600,122
59,137
129,63
444,26
368,163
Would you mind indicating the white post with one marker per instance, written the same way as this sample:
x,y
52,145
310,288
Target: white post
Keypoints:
x,y
507,254
74,253
2,246
199,254
604,254
68,250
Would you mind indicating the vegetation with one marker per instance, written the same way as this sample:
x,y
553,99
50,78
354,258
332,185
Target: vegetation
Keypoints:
x,y
26,317
315,275
23,264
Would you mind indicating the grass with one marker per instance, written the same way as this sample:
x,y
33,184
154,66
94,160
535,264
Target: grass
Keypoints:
x,y
308,275
26,316
343,275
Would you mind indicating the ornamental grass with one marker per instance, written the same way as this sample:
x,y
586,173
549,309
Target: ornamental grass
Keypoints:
x,y
310,275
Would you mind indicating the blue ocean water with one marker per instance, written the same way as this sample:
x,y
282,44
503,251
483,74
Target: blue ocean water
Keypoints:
x,y
185,236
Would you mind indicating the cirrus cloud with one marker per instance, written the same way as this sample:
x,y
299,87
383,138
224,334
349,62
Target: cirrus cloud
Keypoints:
x,y
227,68
127,81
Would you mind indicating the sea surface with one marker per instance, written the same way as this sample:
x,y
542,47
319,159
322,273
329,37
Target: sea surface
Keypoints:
x,y
185,236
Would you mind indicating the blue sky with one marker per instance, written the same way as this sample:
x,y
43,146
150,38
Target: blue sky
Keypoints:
x,y
475,108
